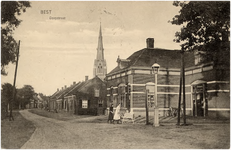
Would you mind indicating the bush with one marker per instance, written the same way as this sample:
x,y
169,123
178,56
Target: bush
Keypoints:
x,y
87,111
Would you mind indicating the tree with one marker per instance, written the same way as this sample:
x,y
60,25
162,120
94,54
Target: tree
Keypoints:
x,y
7,96
24,95
9,11
206,27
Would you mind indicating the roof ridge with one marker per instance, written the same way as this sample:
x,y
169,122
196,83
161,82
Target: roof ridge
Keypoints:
x,y
75,86
63,92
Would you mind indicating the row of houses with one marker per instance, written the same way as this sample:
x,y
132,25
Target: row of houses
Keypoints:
x,y
86,97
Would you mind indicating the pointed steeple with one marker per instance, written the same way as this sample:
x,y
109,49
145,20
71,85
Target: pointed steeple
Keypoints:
x,y
100,49
100,66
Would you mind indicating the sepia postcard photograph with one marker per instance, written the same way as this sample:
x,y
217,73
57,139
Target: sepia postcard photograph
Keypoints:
x,y
115,74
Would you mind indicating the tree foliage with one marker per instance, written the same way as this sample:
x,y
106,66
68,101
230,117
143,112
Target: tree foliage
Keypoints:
x,y
9,12
25,94
7,92
206,26
6,97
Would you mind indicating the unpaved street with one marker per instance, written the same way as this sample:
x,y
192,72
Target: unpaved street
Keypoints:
x,y
56,134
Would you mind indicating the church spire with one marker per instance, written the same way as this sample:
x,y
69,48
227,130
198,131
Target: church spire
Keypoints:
x,y
100,66
100,49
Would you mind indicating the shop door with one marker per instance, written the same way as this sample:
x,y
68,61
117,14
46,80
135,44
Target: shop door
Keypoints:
x,y
200,104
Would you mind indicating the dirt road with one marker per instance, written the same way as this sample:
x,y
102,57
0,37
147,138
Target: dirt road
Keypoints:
x,y
56,134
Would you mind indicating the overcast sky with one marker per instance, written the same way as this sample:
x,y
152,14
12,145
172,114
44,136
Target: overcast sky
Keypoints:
x,y
54,53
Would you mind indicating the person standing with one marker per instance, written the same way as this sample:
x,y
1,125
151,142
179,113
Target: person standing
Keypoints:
x,y
110,116
117,114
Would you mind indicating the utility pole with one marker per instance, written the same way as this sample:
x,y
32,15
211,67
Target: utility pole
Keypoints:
x,y
14,89
179,102
183,78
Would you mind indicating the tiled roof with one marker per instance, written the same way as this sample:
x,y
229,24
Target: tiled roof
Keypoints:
x,y
88,83
62,92
53,95
165,58
74,88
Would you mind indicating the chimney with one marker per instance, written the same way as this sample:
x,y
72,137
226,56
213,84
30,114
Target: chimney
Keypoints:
x,y
62,88
86,78
150,43
57,89
65,86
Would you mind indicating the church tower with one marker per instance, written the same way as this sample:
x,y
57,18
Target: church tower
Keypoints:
x,y
100,67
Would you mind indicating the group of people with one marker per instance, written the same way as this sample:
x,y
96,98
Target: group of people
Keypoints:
x,y
114,116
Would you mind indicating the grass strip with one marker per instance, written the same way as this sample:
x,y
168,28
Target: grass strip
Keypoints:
x,y
14,134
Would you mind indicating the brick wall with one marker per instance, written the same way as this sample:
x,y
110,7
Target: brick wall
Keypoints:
x,y
168,96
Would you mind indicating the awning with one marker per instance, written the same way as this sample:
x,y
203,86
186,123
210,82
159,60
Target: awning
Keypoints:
x,y
198,82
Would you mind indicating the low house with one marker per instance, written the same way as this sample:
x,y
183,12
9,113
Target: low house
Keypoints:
x,y
132,81
43,101
34,101
88,98
91,97
57,99
70,104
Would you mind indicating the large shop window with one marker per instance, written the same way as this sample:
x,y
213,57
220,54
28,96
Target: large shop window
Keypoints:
x,y
84,103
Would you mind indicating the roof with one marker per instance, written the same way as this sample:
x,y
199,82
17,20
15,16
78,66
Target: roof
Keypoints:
x,y
74,89
165,58
41,96
80,86
198,82
89,83
59,94
83,86
35,97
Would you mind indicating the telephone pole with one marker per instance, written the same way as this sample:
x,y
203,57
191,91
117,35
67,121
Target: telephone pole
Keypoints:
x,y
11,118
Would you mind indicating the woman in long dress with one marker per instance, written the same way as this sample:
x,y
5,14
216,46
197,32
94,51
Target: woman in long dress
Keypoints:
x,y
117,114
110,116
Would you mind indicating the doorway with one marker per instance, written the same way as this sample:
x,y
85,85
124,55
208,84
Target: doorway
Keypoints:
x,y
200,103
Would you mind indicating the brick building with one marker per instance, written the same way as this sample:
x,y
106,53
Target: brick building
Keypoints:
x,y
87,97
207,85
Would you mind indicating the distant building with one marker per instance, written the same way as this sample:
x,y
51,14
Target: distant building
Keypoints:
x,y
100,66
207,85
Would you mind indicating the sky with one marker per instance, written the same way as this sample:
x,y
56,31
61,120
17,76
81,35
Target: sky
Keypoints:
x,y
58,52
